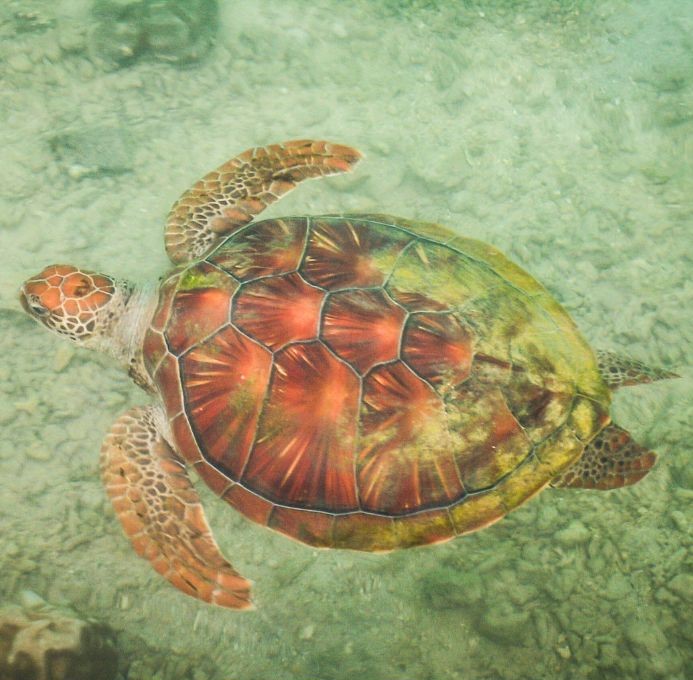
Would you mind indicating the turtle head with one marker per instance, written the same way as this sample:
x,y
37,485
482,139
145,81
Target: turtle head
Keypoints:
x,y
75,303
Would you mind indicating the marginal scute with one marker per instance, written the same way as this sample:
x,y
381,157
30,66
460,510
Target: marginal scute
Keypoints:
x,y
587,417
253,506
431,230
476,512
483,252
153,349
430,526
308,526
166,292
185,440
526,481
215,480
358,531
558,451
168,381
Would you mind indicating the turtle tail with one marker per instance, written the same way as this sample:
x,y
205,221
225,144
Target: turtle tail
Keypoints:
x,y
611,460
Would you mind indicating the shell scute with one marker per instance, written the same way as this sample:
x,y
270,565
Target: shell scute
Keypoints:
x,y
279,309
218,482
363,327
358,531
166,292
349,253
439,348
477,512
440,273
154,349
168,380
252,505
187,444
200,306
431,526
404,461
308,526
266,248
488,442
226,379
303,454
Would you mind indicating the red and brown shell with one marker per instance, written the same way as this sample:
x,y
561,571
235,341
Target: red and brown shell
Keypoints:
x,y
367,382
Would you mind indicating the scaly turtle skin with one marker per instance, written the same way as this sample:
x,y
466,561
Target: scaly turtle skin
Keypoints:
x,y
359,381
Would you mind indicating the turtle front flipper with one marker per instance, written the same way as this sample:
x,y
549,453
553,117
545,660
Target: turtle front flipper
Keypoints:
x,y
621,371
230,196
161,512
611,460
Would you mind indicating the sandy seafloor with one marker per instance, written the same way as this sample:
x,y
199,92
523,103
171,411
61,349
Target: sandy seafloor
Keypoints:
x,y
561,132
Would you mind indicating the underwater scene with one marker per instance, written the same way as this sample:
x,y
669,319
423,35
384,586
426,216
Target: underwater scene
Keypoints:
x,y
486,299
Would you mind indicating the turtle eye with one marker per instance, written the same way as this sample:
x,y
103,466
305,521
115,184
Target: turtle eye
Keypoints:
x,y
34,303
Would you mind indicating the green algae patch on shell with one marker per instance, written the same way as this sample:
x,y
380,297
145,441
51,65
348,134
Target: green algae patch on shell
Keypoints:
x,y
202,275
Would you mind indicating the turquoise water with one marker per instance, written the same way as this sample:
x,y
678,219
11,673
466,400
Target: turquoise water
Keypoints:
x,y
560,132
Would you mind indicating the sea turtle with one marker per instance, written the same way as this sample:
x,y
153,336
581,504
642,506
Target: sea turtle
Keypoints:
x,y
352,381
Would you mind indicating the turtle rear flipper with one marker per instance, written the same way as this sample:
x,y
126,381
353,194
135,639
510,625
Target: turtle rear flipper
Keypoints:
x,y
161,512
611,460
622,371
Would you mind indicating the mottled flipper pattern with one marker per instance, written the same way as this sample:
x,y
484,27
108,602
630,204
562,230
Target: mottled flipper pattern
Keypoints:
x,y
232,195
622,371
611,460
161,512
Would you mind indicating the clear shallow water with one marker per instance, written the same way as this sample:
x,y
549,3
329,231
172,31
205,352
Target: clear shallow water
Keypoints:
x,y
558,131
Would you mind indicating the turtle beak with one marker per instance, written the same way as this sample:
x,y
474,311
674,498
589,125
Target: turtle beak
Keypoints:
x,y
23,301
